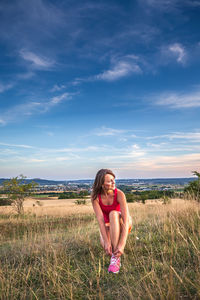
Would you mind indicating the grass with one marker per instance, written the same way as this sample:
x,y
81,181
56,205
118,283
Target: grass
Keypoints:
x,y
52,257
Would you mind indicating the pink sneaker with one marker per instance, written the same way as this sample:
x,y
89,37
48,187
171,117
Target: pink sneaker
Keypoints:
x,y
114,264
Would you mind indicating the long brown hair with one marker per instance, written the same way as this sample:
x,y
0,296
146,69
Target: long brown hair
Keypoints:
x,y
99,181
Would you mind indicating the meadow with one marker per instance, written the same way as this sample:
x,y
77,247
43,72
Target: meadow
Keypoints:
x,y
53,252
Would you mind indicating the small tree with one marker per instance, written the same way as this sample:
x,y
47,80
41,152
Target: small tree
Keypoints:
x,y
193,189
17,191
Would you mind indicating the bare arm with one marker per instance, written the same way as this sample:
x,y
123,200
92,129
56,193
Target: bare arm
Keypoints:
x,y
102,227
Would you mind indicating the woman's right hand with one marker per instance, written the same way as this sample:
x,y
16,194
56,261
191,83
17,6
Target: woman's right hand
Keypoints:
x,y
108,249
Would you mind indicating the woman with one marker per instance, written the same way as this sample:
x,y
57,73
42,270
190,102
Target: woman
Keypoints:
x,y
112,213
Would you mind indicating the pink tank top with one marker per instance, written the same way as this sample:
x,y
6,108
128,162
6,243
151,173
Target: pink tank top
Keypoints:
x,y
106,209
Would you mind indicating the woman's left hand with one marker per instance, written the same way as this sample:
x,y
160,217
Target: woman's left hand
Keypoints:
x,y
119,251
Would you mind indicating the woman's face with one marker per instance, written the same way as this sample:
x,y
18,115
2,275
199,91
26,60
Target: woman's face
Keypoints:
x,y
109,182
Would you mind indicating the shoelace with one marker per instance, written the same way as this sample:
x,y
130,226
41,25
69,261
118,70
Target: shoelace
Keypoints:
x,y
114,260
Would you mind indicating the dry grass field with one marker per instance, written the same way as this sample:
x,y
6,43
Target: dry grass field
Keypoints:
x,y
67,207
53,252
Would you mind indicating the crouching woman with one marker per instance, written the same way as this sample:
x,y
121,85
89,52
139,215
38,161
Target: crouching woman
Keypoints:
x,y
111,209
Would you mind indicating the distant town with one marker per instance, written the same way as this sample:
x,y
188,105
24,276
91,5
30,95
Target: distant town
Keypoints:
x,y
159,184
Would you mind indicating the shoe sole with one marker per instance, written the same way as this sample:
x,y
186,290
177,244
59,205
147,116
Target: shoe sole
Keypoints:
x,y
114,272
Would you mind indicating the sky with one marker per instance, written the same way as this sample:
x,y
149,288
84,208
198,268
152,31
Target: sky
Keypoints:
x,y
86,85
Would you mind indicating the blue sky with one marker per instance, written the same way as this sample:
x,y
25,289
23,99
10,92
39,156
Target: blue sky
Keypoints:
x,y
86,85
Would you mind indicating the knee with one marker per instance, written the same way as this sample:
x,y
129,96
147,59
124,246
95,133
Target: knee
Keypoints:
x,y
114,216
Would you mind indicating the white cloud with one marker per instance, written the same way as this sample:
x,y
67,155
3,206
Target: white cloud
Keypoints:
x,y
179,52
57,87
162,166
58,99
2,122
122,155
119,70
179,100
36,61
105,131
49,133
135,146
35,160
74,149
16,145
120,67
27,109
191,136
70,157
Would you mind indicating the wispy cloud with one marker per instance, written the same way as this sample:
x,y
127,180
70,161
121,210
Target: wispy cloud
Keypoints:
x,y
122,68
169,5
179,52
2,122
37,61
172,3
57,88
25,76
67,158
27,109
136,151
74,149
162,166
17,145
179,100
57,99
5,87
192,136
105,131
168,53
35,160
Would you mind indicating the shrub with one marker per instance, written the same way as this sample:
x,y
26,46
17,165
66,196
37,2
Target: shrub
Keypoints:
x,y
17,191
193,189
4,202
80,202
131,197
166,200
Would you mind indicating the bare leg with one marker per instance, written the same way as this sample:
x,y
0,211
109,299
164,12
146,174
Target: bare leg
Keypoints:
x,y
114,217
